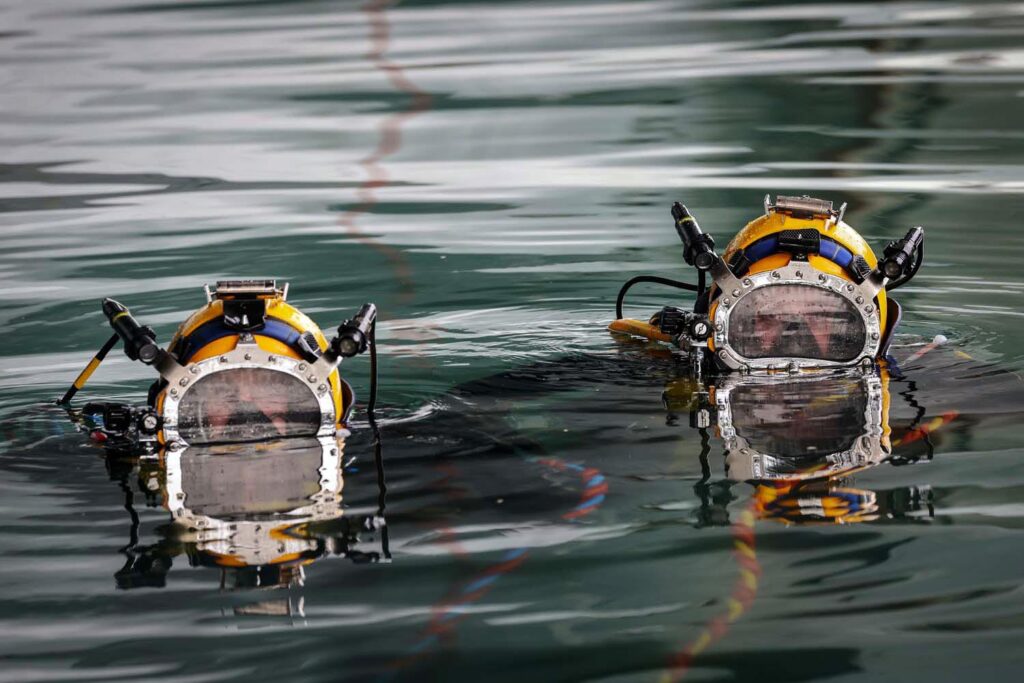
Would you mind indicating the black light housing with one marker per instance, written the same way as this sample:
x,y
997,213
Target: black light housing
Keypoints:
x,y
899,256
700,247
354,335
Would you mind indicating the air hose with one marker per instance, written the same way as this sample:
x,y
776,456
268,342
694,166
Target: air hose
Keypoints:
x,y
699,289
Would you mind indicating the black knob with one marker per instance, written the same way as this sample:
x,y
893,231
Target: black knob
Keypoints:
x,y
700,330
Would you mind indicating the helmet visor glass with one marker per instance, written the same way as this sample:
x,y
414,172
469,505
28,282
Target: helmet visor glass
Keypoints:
x,y
247,404
796,321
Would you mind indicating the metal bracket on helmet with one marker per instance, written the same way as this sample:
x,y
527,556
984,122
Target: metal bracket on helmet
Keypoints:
x,y
723,277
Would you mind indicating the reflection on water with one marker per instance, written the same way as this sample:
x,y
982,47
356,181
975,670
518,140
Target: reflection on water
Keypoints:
x,y
564,497
259,512
487,173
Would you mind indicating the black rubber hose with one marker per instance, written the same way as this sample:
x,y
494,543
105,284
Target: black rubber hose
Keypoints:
x,y
373,369
378,449
656,280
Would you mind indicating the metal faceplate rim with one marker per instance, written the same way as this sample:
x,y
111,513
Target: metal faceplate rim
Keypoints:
x,y
184,378
217,534
867,449
861,297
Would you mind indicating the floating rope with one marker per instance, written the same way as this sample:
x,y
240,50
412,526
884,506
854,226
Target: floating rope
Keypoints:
x,y
447,614
744,591
924,430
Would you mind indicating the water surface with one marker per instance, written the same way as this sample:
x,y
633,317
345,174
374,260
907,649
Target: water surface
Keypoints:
x,y
488,174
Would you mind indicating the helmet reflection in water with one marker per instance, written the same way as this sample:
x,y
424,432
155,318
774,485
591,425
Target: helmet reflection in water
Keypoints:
x,y
798,438
264,511
781,426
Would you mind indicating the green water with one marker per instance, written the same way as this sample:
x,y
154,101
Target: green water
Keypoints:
x,y
489,174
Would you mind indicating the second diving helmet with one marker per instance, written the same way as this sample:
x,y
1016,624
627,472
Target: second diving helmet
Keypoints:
x,y
796,288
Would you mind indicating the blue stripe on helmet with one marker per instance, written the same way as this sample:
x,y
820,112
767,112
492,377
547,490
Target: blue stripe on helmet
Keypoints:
x,y
215,329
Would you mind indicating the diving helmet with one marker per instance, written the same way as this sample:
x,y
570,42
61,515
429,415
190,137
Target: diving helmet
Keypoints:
x,y
796,288
245,367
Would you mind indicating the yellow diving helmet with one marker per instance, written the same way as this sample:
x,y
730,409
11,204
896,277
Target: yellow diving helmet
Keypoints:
x,y
247,366
796,288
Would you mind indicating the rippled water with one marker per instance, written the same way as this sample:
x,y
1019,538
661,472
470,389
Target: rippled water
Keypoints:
x,y
489,174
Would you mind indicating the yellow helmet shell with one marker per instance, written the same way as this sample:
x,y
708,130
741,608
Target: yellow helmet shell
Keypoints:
x,y
276,308
841,232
